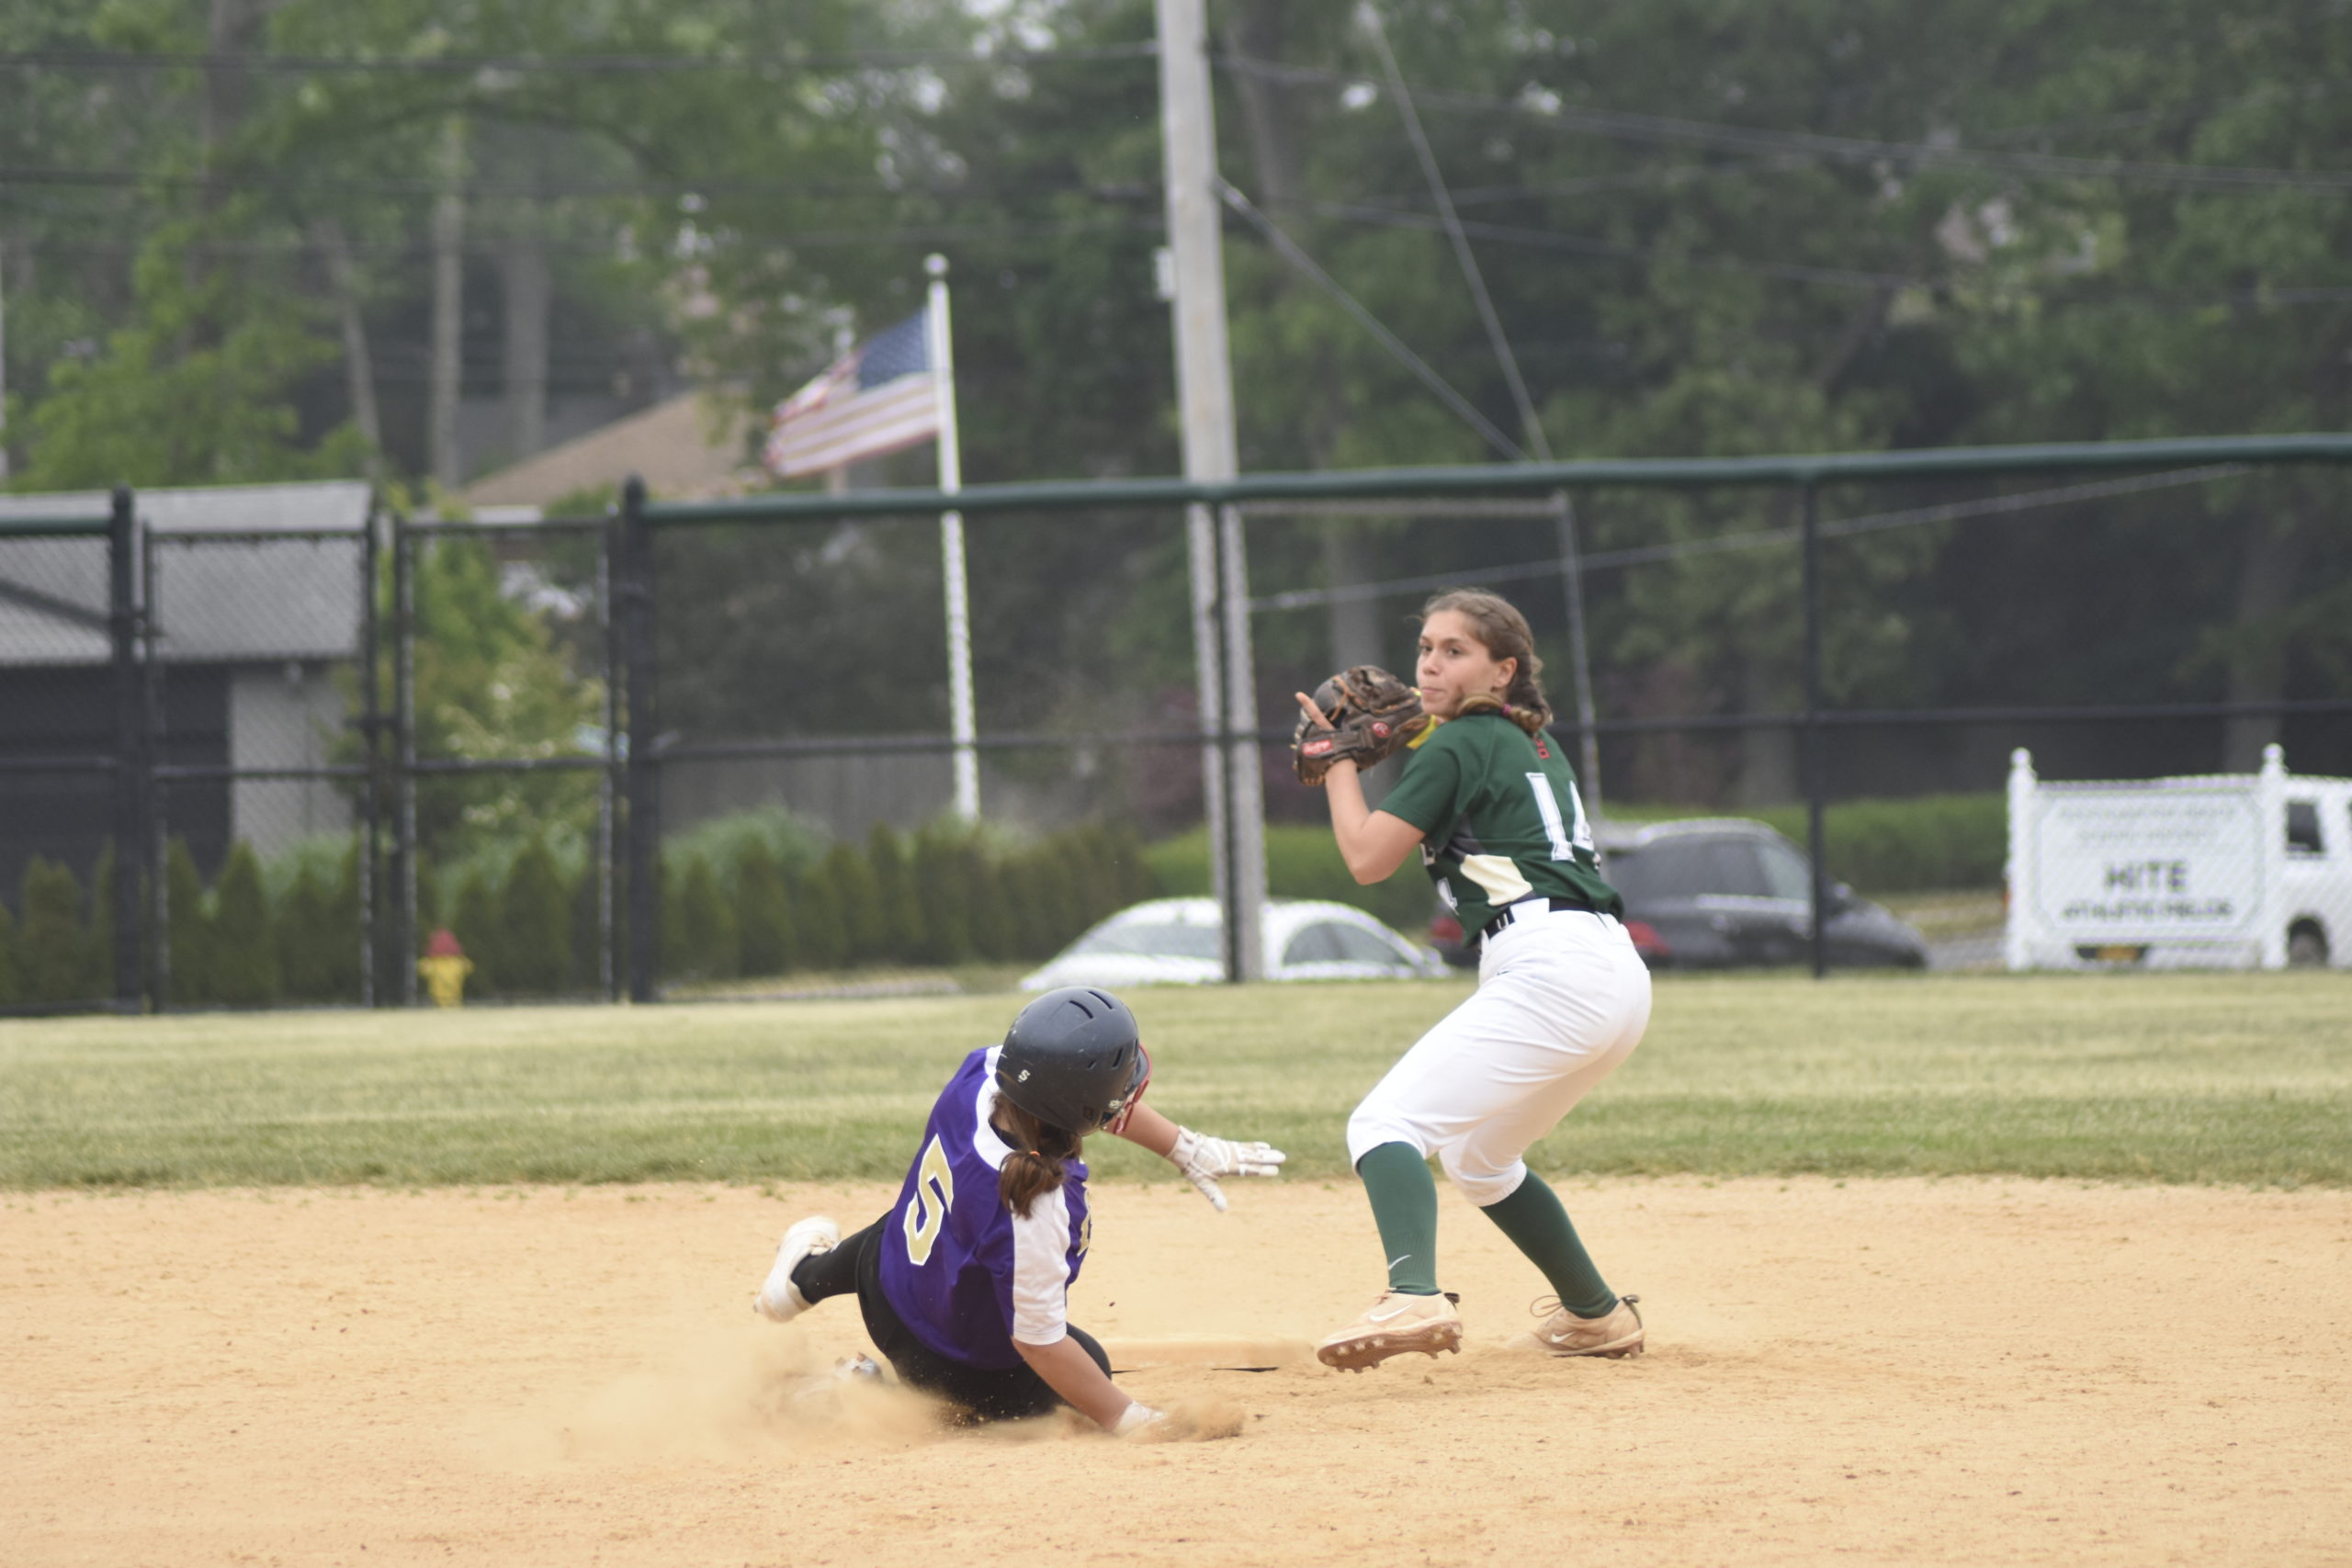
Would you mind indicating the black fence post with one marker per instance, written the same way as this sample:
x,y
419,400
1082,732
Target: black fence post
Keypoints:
x,y
612,962
644,779
157,829
129,749
404,869
1815,844
371,731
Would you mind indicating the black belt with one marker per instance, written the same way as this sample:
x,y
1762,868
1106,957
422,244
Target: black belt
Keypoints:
x,y
1510,912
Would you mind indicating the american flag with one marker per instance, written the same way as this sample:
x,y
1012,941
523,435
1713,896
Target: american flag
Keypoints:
x,y
881,397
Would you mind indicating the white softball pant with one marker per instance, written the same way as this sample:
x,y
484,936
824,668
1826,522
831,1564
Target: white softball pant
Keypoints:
x,y
1562,999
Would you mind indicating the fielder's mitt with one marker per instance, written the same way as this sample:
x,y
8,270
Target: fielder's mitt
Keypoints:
x,y
1372,715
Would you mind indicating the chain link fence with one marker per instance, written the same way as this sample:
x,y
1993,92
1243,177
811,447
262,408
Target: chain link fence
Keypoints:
x,y
2004,712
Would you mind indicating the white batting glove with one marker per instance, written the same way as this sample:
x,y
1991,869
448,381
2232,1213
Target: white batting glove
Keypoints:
x,y
1202,1160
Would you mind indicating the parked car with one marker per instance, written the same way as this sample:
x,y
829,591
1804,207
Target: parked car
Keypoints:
x,y
1721,892
1181,942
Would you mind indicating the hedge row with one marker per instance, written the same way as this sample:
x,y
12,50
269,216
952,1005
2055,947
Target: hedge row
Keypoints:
x,y
1924,844
229,946
53,956
944,895
1927,844
1302,861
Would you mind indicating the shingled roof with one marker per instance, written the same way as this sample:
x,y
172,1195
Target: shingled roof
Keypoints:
x,y
215,602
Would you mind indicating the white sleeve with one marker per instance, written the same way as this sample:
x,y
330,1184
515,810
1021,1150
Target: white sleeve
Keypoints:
x,y
1041,1270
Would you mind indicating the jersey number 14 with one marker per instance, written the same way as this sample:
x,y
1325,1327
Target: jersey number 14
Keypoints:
x,y
1566,839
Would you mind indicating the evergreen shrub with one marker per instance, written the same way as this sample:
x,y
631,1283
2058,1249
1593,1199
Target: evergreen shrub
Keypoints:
x,y
765,938
189,947
11,982
817,921
305,923
705,926
905,924
476,923
52,949
858,904
535,924
244,948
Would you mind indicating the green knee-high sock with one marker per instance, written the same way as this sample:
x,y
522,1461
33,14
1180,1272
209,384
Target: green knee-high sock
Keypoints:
x,y
1404,1205
1539,1227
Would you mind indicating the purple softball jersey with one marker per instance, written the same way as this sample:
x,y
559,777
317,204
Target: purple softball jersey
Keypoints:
x,y
964,1273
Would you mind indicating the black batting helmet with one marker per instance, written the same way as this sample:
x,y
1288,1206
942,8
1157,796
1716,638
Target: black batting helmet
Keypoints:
x,y
1074,1059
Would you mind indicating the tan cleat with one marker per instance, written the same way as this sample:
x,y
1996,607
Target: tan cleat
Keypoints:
x,y
1391,1326
1564,1334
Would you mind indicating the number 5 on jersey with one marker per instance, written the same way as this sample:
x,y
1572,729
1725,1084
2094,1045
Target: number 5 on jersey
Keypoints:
x,y
934,1195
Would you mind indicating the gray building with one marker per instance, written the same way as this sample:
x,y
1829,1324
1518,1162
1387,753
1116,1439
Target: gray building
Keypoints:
x,y
256,595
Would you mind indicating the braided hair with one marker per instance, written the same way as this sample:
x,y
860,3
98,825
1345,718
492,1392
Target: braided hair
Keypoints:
x,y
1040,1154
1502,631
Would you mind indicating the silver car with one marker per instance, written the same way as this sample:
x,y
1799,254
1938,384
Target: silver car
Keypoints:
x,y
1181,942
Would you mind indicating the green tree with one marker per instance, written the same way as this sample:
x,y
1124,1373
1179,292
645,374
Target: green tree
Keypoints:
x,y
536,923
100,948
996,921
476,922
11,975
340,959
706,946
764,911
189,947
819,916
244,952
901,900
53,948
305,938
493,683
587,921
941,862
858,906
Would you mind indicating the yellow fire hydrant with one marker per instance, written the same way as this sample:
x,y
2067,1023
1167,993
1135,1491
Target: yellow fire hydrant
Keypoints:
x,y
444,968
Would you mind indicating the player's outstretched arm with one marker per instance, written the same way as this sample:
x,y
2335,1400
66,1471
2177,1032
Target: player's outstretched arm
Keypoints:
x,y
1069,1371
1202,1160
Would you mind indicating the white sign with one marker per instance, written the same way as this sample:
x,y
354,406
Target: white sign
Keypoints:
x,y
2147,864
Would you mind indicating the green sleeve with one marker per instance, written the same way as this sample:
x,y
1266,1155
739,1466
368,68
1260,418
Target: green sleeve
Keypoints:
x,y
1426,795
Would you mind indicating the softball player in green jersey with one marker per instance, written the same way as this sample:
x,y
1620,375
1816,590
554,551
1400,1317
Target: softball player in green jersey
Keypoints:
x,y
1562,997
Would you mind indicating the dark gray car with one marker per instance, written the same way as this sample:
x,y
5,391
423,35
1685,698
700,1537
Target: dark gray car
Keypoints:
x,y
1725,891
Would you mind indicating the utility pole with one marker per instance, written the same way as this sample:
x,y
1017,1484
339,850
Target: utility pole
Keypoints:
x,y
1564,516
1219,567
446,375
3,364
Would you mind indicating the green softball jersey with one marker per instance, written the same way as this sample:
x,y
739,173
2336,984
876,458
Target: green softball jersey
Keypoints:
x,y
1500,819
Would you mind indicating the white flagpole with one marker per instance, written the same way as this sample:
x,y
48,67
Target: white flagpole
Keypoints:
x,y
940,346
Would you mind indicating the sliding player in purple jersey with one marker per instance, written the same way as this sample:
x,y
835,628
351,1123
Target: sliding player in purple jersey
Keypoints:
x,y
965,1284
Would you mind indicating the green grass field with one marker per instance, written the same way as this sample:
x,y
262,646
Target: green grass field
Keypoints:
x,y
2228,1079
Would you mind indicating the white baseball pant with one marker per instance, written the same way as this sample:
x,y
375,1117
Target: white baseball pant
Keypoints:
x,y
1562,999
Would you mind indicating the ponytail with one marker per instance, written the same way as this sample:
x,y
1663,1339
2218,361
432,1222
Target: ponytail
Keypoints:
x,y
1503,632
1036,1165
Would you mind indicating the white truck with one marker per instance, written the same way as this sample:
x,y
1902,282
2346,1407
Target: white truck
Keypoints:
x,y
2221,871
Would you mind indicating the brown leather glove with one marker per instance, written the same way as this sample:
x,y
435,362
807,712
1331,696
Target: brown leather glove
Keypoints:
x,y
1372,716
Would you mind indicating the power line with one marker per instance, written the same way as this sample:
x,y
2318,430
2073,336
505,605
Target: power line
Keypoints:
x,y
1611,250
1917,517
1288,249
556,64
345,184
1841,277
1451,222
1658,129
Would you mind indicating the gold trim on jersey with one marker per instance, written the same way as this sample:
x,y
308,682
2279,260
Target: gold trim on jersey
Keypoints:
x,y
1499,875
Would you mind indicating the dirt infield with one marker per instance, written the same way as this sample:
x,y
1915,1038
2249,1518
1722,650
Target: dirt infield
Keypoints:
x,y
1895,1372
